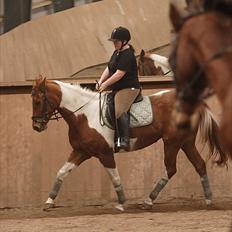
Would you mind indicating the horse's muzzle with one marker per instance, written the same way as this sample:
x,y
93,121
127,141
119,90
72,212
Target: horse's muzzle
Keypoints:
x,y
39,126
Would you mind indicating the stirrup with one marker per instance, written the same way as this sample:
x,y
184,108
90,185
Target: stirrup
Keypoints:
x,y
122,145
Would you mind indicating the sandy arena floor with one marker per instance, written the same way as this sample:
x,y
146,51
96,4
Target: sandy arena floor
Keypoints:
x,y
170,216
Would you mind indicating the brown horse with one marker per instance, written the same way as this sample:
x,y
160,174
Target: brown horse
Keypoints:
x,y
79,107
202,57
150,64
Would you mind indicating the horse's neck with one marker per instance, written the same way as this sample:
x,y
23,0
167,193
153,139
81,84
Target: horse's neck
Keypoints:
x,y
161,61
73,96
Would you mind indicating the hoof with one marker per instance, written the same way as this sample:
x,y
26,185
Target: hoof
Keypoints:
x,y
147,204
120,208
208,202
48,206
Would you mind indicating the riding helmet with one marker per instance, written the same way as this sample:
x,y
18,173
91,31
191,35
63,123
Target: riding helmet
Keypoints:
x,y
120,33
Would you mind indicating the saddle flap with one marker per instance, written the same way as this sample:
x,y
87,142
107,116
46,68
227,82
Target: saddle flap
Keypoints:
x,y
141,113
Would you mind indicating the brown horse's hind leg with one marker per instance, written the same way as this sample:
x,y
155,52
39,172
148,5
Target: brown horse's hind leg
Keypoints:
x,y
74,160
194,157
170,154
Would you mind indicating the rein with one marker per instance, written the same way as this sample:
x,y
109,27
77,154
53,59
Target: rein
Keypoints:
x,y
172,60
187,88
45,116
72,112
102,123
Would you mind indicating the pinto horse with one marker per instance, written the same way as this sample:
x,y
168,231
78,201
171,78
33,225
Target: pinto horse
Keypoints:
x,y
202,57
150,64
79,107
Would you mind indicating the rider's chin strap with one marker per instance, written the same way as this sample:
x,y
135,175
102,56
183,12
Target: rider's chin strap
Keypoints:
x,y
123,44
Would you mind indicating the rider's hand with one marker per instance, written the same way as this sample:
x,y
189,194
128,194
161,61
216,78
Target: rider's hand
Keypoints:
x,y
102,87
97,86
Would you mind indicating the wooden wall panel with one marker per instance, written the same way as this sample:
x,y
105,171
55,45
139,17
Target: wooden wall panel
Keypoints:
x,y
16,13
61,44
29,162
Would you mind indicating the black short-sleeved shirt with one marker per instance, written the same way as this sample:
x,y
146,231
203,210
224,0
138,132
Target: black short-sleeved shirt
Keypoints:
x,y
125,61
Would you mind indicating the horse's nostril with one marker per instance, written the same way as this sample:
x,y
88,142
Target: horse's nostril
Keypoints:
x,y
36,127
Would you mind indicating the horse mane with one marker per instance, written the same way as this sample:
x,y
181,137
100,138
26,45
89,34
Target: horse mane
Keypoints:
x,y
160,61
77,87
222,6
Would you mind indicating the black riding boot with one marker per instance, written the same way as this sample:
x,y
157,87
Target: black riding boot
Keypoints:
x,y
123,131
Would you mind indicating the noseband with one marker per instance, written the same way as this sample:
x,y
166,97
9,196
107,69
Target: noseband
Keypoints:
x,y
44,117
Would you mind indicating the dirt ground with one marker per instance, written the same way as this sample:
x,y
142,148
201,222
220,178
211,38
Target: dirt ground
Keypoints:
x,y
172,216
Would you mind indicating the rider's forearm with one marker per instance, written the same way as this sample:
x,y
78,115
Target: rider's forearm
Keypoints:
x,y
104,75
115,77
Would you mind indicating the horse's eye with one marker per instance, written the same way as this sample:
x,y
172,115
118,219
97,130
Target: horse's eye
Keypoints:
x,y
36,103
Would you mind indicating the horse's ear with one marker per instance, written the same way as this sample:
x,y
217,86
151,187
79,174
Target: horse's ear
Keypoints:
x,y
142,53
43,83
175,17
41,77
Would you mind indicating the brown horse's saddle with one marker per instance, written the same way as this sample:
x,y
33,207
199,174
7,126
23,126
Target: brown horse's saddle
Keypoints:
x,y
140,112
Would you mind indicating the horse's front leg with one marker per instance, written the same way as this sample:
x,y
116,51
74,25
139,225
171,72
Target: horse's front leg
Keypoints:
x,y
115,178
110,166
74,160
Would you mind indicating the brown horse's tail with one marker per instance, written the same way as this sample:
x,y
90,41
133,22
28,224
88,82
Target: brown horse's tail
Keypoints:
x,y
209,131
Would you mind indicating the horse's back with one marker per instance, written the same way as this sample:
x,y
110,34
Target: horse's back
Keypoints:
x,y
162,104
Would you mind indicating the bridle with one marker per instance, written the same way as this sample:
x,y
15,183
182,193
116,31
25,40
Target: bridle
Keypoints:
x,y
44,117
185,93
142,67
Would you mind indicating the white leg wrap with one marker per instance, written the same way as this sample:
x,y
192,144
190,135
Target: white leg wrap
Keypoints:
x,y
120,207
65,170
49,201
114,176
148,201
208,202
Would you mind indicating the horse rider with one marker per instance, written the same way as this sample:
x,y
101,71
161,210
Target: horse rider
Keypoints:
x,y
121,77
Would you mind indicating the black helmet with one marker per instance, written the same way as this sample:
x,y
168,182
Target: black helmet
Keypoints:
x,y
120,33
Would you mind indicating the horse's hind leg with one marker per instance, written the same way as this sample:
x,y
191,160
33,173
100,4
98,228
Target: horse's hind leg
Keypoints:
x,y
74,160
170,154
194,157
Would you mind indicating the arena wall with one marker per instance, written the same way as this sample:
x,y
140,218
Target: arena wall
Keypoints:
x,y
64,43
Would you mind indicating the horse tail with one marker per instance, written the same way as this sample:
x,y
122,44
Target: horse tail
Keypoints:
x,y
209,131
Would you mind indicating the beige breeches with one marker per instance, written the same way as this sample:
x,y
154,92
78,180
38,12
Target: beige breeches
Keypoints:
x,y
123,100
